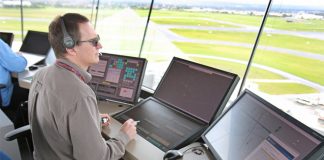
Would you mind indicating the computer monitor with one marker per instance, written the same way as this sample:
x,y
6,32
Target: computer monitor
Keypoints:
x,y
252,128
118,77
7,37
196,89
36,42
183,105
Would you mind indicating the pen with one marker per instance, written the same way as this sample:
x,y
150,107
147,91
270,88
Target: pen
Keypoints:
x,y
137,121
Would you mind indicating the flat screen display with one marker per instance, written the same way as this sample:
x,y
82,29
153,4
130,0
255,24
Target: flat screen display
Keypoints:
x,y
196,89
118,78
36,42
254,129
162,126
7,37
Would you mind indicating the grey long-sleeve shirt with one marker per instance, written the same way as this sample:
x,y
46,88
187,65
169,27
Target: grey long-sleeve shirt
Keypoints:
x,y
65,123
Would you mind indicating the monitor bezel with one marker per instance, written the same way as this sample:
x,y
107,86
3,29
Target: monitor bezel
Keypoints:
x,y
138,90
28,36
272,108
225,99
10,39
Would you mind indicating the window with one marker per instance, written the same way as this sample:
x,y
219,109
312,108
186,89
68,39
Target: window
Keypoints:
x,y
121,25
291,49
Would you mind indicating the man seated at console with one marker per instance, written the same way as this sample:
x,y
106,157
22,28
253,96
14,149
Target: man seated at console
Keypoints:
x,y
63,112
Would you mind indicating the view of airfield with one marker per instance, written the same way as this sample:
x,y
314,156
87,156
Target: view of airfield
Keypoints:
x,y
287,69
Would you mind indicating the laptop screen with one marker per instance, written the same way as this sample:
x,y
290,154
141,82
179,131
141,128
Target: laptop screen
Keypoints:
x,y
118,77
36,42
254,129
198,90
7,37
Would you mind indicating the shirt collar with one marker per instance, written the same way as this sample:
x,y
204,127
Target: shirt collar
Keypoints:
x,y
87,76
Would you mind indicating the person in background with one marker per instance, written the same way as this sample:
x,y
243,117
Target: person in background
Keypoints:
x,y
63,112
9,62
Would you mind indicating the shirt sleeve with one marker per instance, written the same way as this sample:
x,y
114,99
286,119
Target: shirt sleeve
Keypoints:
x,y
10,60
87,142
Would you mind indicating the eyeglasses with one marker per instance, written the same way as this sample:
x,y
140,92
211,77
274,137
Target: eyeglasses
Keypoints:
x,y
94,41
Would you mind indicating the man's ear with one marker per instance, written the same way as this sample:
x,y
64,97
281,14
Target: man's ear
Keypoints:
x,y
70,51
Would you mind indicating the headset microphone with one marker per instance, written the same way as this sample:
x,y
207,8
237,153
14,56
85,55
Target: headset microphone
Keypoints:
x,y
68,41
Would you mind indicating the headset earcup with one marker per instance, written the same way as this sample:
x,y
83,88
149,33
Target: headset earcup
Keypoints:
x,y
68,42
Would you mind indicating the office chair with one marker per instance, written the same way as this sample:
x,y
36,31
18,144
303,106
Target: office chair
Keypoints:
x,y
22,133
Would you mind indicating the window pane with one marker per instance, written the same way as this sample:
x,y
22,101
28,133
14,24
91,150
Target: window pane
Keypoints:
x,y
38,16
121,27
10,22
212,32
291,48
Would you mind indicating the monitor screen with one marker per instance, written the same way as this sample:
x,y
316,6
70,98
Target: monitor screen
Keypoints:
x,y
7,37
195,89
254,129
36,42
118,77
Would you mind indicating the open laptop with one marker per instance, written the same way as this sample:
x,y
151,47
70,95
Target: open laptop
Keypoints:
x,y
7,37
186,101
118,78
253,129
35,47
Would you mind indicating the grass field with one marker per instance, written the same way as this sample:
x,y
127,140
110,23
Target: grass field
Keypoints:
x,y
275,40
272,22
190,22
285,88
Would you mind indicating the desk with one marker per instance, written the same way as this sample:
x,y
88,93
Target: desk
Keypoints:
x,y
25,77
138,149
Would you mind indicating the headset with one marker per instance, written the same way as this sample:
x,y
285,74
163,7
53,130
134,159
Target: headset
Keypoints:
x,y
68,41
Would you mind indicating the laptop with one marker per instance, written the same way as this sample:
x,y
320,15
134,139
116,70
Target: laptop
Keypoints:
x,y
253,129
35,47
7,37
187,99
118,78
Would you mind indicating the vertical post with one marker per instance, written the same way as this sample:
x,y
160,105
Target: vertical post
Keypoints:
x,y
97,8
146,26
255,46
22,19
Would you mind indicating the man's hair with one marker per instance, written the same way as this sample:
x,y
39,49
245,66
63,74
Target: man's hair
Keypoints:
x,y
55,35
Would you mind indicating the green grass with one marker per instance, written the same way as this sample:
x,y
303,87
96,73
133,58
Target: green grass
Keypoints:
x,y
285,88
190,22
272,22
309,69
276,40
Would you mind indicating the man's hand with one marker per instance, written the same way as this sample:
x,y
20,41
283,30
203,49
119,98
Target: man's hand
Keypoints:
x,y
105,119
129,127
